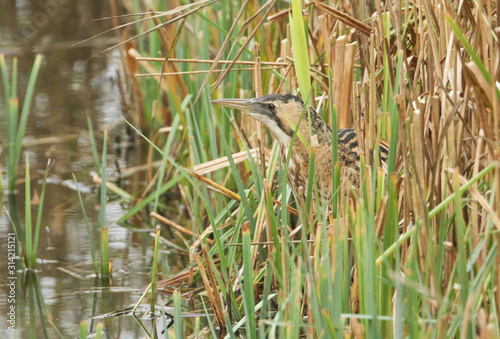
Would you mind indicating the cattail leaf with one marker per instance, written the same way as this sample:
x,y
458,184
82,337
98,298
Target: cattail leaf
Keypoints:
x,y
300,55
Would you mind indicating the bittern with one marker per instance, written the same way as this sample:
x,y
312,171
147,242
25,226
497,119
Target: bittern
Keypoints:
x,y
282,114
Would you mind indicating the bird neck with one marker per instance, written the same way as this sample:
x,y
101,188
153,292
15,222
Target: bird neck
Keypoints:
x,y
312,124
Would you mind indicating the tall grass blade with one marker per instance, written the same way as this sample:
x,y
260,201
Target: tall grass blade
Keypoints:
x,y
89,229
39,216
98,330
93,144
83,329
155,270
249,299
177,315
26,108
300,50
470,50
5,79
27,217
102,213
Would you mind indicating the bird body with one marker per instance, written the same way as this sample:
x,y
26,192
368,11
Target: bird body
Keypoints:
x,y
283,114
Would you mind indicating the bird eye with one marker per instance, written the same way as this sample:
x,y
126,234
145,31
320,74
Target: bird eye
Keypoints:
x,y
271,106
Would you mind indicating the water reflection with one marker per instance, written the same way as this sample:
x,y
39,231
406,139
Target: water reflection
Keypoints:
x,y
73,82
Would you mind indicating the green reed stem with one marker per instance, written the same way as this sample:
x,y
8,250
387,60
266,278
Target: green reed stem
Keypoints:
x,y
89,229
102,214
39,217
177,315
16,126
155,269
83,329
27,215
248,297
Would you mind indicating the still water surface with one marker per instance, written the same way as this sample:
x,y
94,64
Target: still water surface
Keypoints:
x,y
74,81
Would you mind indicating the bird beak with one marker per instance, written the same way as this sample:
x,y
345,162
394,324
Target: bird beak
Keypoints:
x,y
245,105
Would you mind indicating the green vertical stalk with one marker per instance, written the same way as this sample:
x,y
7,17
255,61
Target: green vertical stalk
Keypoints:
x,y
27,215
26,106
391,231
367,271
300,51
248,297
336,167
104,228
16,129
98,331
83,329
12,118
461,260
104,252
93,146
394,118
89,229
5,79
265,294
177,315
295,299
311,180
155,270
39,215
31,304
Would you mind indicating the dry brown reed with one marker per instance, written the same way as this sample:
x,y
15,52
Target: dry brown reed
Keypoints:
x,y
421,74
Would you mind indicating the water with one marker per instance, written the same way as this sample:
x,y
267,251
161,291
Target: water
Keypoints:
x,y
75,81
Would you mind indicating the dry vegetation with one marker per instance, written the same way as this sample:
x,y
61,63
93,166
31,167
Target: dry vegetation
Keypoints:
x,y
414,252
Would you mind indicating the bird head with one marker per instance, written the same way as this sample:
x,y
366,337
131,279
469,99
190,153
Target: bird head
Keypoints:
x,y
281,113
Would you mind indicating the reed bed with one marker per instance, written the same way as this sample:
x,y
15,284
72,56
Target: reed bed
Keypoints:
x,y
17,118
413,252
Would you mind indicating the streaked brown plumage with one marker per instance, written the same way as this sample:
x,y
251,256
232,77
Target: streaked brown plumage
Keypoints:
x,y
281,114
